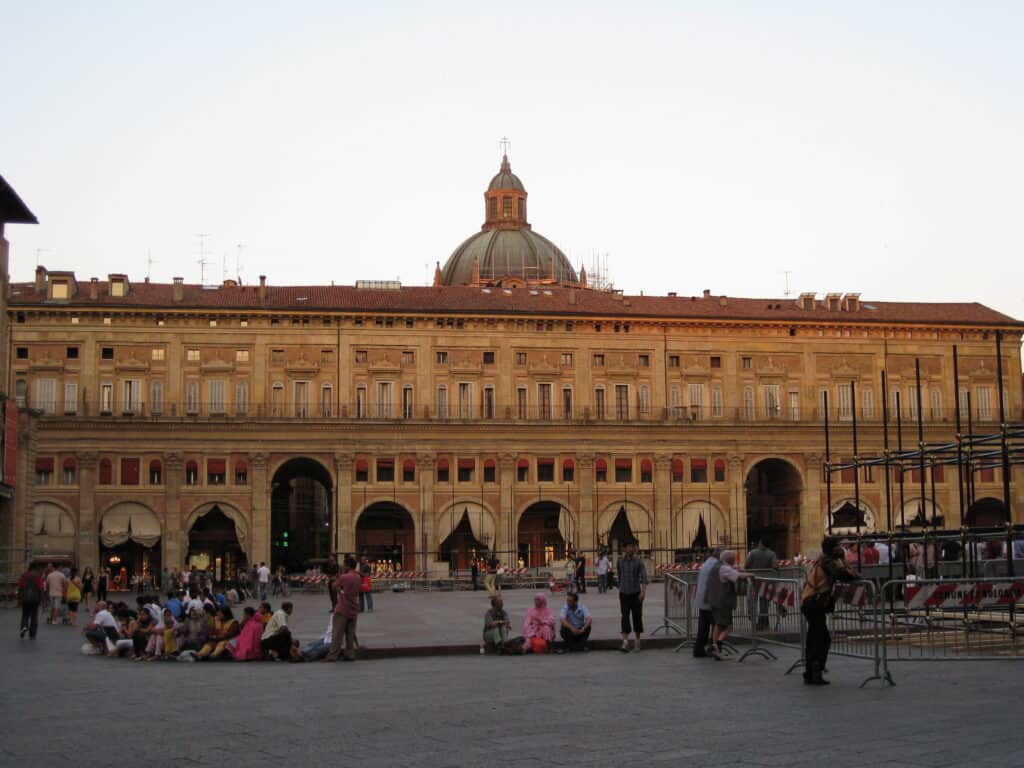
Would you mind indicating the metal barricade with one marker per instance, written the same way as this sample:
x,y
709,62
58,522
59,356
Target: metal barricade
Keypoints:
x,y
676,614
856,626
953,620
775,617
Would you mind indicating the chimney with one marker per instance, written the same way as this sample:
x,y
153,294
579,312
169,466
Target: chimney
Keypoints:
x,y
40,279
437,275
707,293
263,288
179,289
672,294
94,288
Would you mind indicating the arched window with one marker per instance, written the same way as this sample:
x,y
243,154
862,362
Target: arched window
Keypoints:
x,y
568,471
362,471
241,473
719,470
698,470
156,472
106,472
601,471
646,471
677,470
442,470
408,471
191,473
523,470
70,471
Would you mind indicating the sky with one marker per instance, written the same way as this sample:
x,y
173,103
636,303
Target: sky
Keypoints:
x,y
875,147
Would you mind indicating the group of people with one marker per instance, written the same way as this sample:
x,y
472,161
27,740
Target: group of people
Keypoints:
x,y
57,592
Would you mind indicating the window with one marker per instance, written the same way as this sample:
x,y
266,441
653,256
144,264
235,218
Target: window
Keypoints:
x,y
215,396
599,405
70,397
623,470
746,363
867,402
107,353
621,401
241,398
216,471
646,471
156,472
845,401
716,361
984,395
696,395
643,400
488,358
106,398
441,358
566,402
408,405
748,403
506,207
545,470
158,355
698,470
241,355
44,471
20,391
117,288
326,401
408,471
21,353
599,361
794,406
442,402
241,473
523,471
849,475
490,471
408,358
442,470
192,356
676,401
300,393
567,359
488,403
362,471
823,401
719,471
717,408
521,403
71,353
568,471
465,400
910,402
59,290
361,356
326,355
673,361
129,471
131,390
465,469
106,472
46,395
385,396
492,206
277,356
520,358
643,361
677,470
601,471
385,470
772,403
360,404
68,476
869,474
936,403
544,401
192,397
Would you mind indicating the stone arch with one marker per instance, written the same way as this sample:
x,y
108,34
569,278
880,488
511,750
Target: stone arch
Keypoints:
x,y
699,524
312,466
130,534
385,532
53,528
774,487
638,517
302,524
751,462
235,515
918,513
843,516
452,513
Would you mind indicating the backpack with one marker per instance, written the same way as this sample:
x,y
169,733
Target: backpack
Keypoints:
x,y
30,593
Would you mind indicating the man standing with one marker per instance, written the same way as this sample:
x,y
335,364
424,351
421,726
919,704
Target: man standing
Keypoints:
x,y
632,591
346,611
263,577
816,602
705,618
575,623
30,593
603,566
491,574
365,585
331,571
761,558
55,585
581,573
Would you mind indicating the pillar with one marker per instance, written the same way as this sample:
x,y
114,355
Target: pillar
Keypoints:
x,y
588,526
343,464
174,544
736,515
812,516
663,503
259,535
425,464
88,526
506,539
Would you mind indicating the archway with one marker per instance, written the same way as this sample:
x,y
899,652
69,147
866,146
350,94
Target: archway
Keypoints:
x,y
53,529
130,543
386,536
545,533
988,512
217,538
698,525
302,523
849,520
465,532
773,505
920,513
624,522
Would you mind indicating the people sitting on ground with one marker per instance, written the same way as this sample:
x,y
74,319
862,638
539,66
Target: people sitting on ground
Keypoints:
x,y
320,647
722,596
496,626
174,605
264,612
539,626
225,628
575,623
277,638
191,634
161,637
246,647
104,630
139,630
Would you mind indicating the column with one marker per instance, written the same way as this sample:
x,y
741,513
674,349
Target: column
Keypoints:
x,y
587,533
343,464
25,495
174,549
425,464
259,534
812,508
88,525
663,507
736,516
505,538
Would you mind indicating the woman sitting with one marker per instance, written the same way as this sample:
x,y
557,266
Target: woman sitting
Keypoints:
x,y
191,634
539,626
225,628
246,647
496,626
161,637
138,630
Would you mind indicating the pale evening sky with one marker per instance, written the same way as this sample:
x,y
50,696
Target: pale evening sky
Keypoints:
x,y
871,146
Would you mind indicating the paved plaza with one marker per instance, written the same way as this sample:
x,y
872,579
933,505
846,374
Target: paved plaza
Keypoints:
x,y
654,708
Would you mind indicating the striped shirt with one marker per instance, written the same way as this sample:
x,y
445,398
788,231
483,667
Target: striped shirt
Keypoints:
x,y
632,573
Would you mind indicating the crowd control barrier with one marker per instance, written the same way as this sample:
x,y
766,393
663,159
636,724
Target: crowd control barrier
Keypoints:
x,y
676,616
776,618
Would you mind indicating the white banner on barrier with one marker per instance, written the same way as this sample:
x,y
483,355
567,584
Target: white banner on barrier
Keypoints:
x,y
970,594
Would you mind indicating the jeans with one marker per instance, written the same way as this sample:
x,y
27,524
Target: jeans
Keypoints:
x,y
30,618
316,651
365,601
819,640
704,621
342,626
602,583
263,591
575,642
631,608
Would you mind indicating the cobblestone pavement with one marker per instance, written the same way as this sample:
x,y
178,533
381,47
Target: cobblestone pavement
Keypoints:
x,y
603,708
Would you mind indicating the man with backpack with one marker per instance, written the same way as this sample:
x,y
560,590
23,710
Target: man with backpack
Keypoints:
x,y
30,594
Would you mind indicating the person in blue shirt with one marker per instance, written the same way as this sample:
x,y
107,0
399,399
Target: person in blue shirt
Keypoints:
x,y
174,605
575,623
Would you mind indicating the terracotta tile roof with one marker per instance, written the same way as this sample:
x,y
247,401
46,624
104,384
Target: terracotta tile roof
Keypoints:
x,y
541,300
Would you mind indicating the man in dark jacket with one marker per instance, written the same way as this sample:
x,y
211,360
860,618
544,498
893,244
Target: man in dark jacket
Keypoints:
x,y
30,594
816,602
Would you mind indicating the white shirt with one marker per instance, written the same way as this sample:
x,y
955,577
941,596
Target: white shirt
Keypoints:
x,y
330,631
104,619
883,552
603,565
263,574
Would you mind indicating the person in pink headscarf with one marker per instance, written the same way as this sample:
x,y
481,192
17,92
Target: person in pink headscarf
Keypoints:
x,y
539,626
246,646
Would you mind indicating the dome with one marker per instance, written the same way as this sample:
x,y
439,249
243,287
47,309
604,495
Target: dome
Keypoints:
x,y
517,253
505,179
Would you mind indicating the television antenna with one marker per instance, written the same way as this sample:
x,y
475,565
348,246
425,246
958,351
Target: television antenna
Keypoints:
x,y
787,273
238,261
150,261
202,261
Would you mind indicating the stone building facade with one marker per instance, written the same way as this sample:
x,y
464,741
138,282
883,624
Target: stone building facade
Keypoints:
x,y
509,406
